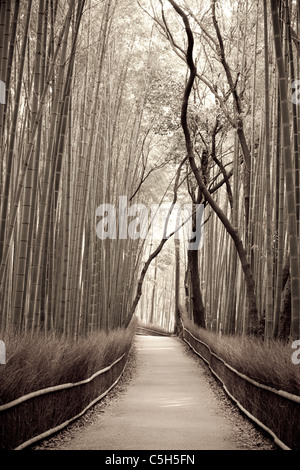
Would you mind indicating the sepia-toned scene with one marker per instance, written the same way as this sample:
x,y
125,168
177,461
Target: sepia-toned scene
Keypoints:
x,y
149,228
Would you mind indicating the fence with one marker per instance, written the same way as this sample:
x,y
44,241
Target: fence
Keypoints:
x,y
141,330
264,405
39,414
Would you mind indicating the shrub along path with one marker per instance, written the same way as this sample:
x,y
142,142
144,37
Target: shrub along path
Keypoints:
x,y
169,405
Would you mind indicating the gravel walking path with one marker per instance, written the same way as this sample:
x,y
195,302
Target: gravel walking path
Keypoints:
x,y
169,403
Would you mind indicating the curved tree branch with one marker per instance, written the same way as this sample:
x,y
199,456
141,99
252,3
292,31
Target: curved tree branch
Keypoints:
x,y
157,250
233,231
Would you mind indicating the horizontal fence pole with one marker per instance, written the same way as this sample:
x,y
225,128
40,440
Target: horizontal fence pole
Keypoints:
x,y
61,426
56,388
286,395
157,332
282,393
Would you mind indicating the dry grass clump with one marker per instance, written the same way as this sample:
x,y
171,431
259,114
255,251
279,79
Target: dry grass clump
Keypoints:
x,y
268,363
36,362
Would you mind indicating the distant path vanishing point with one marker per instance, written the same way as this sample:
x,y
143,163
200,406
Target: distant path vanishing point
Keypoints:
x,y
168,405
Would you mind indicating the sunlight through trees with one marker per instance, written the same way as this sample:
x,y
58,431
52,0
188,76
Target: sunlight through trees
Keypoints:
x,y
158,102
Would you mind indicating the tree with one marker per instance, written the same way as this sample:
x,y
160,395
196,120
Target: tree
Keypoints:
x,y
233,232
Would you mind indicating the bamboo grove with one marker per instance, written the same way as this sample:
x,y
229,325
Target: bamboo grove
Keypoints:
x,y
241,127
110,98
71,139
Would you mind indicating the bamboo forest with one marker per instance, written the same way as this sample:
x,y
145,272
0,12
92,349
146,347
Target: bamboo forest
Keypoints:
x,y
150,191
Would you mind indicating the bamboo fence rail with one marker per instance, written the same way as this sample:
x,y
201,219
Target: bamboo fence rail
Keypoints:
x,y
261,403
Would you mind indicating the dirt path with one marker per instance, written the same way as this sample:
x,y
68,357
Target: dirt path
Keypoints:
x,y
168,405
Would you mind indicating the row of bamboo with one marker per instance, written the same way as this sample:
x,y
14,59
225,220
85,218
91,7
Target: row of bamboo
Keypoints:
x,y
92,109
71,134
244,113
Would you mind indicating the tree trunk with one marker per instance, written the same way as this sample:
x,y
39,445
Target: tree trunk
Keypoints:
x,y
196,296
233,232
285,314
289,175
177,285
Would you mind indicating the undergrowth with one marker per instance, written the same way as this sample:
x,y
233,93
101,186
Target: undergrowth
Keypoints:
x,y
268,363
34,361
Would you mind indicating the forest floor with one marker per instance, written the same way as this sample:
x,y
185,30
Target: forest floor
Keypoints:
x,y
166,400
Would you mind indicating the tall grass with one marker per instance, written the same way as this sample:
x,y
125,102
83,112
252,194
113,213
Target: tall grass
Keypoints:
x,y
269,363
36,362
